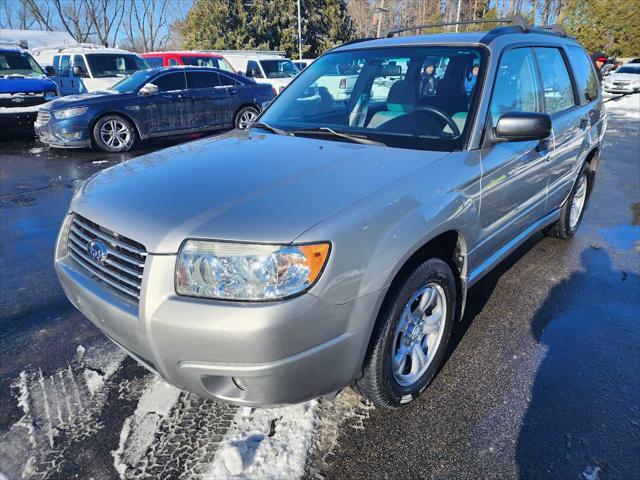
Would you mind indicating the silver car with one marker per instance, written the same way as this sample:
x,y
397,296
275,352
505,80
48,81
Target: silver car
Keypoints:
x,y
334,242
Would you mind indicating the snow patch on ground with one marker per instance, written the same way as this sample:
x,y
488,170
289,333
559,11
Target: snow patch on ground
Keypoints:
x,y
624,107
139,430
58,409
270,443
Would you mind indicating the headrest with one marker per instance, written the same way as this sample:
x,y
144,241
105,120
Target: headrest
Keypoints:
x,y
403,96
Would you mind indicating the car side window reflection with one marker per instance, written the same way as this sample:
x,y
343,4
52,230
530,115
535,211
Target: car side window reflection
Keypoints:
x,y
516,88
170,82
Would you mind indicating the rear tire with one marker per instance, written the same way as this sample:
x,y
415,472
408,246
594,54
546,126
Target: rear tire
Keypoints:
x,y
245,117
410,339
114,134
573,208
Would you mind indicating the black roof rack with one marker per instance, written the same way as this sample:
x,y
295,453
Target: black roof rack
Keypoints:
x,y
516,20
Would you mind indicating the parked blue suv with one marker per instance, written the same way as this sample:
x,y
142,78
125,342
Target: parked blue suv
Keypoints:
x,y
152,103
23,87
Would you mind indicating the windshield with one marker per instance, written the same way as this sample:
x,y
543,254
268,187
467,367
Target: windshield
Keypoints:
x,y
133,82
400,96
19,63
629,69
279,68
114,64
205,61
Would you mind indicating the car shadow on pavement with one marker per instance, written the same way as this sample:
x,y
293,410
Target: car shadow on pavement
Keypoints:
x,y
583,417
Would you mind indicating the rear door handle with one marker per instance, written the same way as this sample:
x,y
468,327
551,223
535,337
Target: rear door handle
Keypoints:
x,y
584,122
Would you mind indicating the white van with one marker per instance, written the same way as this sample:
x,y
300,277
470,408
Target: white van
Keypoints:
x,y
263,66
89,68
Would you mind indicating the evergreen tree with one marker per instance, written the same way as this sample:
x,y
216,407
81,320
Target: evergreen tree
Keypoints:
x,y
267,25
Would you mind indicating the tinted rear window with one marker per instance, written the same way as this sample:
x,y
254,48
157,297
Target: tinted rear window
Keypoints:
x,y
202,79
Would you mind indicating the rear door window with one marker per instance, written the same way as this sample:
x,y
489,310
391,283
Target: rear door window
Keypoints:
x,y
516,88
170,82
556,82
584,73
202,80
227,81
173,61
64,66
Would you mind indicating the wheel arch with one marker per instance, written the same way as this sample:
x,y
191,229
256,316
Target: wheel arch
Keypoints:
x,y
241,106
123,115
592,159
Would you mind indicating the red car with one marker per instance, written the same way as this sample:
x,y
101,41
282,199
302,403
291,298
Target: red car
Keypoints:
x,y
198,59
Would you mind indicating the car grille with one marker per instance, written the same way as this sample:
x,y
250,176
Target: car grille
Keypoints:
x,y
43,116
123,266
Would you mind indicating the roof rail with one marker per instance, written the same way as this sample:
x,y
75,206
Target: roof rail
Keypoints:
x,y
516,20
65,46
557,28
247,52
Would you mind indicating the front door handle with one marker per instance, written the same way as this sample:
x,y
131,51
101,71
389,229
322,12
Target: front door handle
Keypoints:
x,y
584,122
233,92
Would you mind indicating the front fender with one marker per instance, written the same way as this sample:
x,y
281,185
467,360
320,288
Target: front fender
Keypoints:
x,y
375,237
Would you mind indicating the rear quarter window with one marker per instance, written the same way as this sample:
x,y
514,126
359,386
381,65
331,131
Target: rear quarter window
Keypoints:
x,y
154,62
584,73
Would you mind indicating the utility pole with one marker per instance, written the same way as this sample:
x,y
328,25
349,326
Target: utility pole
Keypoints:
x,y
380,10
458,16
300,33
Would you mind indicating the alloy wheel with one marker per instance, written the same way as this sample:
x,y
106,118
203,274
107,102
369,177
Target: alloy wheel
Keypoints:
x,y
418,334
246,118
115,134
577,203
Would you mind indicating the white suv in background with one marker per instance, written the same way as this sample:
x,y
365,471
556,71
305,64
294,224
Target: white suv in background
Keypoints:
x,y
89,68
264,67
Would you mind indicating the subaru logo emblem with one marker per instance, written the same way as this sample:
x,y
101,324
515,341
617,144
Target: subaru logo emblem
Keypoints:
x,y
97,251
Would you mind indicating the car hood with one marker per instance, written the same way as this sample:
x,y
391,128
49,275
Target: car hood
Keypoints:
x,y
243,186
84,99
629,77
26,85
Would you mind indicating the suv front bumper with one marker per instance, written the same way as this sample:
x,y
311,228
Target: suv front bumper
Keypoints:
x,y
255,354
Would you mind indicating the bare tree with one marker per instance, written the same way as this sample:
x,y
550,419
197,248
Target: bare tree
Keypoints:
x,y
106,19
41,11
74,18
146,24
16,15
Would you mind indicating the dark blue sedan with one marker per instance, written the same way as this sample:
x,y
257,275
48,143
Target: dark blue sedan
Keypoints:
x,y
152,103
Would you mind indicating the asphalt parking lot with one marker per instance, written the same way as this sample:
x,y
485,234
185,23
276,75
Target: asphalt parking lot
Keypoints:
x,y
542,379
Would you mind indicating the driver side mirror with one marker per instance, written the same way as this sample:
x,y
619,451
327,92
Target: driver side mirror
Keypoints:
x,y
522,126
50,71
148,89
78,71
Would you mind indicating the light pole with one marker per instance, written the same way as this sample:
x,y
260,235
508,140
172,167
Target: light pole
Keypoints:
x,y
380,11
458,16
299,33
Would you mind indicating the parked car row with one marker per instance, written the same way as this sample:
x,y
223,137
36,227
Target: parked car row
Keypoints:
x,y
152,103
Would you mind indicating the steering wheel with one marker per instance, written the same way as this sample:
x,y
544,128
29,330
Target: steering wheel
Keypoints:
x,y
439,113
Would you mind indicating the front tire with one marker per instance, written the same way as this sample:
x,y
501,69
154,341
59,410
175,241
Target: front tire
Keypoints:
x,y
245,117
114,134
573,208
411,337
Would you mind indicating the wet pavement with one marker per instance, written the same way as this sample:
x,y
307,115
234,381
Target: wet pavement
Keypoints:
x,y
542,378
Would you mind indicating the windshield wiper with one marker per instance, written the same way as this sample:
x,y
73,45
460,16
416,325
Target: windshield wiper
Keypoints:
x,y
334,133
266,126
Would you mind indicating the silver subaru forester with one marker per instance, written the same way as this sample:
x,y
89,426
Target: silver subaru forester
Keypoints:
x,y
334,241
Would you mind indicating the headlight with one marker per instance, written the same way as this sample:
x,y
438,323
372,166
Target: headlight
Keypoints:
x,y
237,271
50,95
69,112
